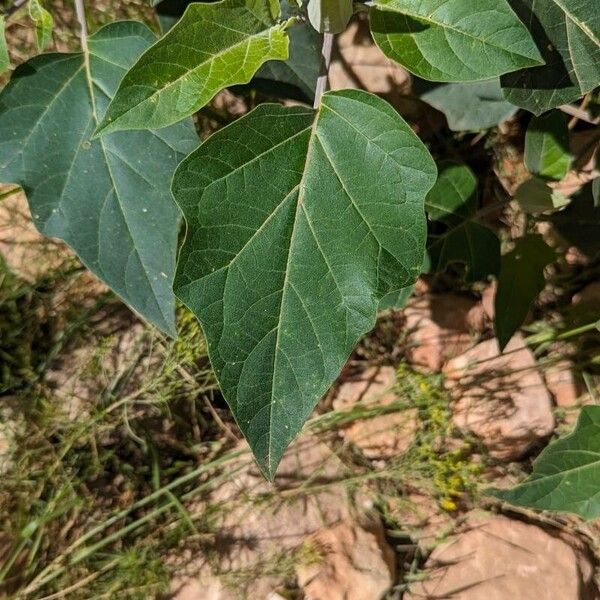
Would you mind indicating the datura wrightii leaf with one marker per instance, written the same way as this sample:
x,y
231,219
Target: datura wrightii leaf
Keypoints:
x,y
109,199
212,46
298,224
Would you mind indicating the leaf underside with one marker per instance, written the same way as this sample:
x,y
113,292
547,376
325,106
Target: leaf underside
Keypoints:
x,y
470,106
297,226
568,33
108,199
453,40
212,46
566,475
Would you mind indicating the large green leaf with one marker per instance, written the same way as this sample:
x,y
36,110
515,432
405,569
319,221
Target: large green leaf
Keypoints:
x,y
521,280
453,40
467,106
108,199
568,33
547,146
566,475
297,225
211,47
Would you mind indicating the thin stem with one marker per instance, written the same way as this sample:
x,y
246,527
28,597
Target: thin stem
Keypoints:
x,y
323,80
83,31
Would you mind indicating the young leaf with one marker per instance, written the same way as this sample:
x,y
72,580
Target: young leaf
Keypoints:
x,y
211,47
301,69
547,146
43,23
329,16
536,196
569,34
453,198
108,199
4,58
521,280
297,226
453,40
566,475
468,106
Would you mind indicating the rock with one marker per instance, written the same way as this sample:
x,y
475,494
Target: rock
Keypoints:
x,y
362,65
355,563
500,398
384,436
203,587
440,327
260,523
586,303
496,558
421,516
563,384
488,298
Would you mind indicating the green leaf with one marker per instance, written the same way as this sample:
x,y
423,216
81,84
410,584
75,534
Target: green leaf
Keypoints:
x,y
301,69
547,151
4,58
453,40
297,226
596,191
468,106
521,280
108,199
43,23
579,223
210,48
568,32
566,475
329,16
453,198
472,244
536,196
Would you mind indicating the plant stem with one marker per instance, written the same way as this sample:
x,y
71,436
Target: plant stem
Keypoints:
x,y
323,79
83,32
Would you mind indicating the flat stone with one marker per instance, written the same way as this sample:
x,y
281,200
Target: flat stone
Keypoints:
x,y
355,563
496,558
500,398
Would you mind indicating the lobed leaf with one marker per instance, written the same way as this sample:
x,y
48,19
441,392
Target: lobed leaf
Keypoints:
x,y
566,475
213,46
453,40
521,280
568,32
108,199
298,224
547,146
